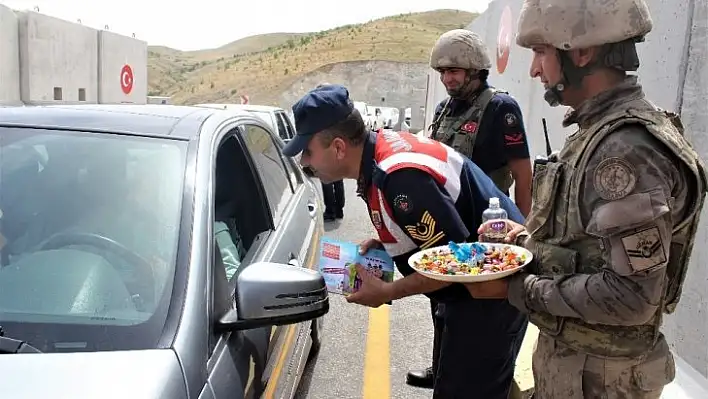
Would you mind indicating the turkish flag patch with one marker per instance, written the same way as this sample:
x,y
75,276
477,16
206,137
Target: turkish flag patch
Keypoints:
x,y
469,127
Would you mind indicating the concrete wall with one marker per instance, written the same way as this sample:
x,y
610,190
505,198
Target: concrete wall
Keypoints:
x,y
674,75
9,58
58,59
122,67
43,58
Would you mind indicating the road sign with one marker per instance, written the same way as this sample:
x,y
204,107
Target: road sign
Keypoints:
x,y
506,34
126,79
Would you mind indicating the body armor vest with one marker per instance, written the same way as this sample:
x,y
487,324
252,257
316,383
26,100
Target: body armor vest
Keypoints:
x,y
460,133
561,246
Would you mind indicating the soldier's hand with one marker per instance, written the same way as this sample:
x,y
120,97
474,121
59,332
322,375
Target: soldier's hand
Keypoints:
x,y
514,229
365,246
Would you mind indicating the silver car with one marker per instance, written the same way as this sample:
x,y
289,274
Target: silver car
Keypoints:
x,y
154,252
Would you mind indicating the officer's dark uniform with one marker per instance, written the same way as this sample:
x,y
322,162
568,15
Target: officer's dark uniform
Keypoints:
x,y
501,137
481,337
490,331
333,195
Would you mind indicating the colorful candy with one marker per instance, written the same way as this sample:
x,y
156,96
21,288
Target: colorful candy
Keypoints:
x,y
464,259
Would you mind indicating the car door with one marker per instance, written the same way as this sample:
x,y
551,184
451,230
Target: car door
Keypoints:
x,y
294,239
241,226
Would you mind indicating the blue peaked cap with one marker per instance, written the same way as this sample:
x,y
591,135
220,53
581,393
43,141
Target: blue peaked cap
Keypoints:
x,y
316,111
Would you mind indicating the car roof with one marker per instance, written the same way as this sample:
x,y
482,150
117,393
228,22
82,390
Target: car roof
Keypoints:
x,y
138,119
245,107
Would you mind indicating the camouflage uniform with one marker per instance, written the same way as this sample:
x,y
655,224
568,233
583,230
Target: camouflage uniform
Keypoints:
x,y
612,226
463,49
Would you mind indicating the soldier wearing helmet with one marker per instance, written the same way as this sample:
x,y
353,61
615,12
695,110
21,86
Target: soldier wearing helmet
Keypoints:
x,y
614,214
481,122
484,124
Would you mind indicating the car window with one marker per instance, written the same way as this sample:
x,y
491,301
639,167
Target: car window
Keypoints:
x,y
271,168
266,117
288,125
90,227
291,166
235,225
282,131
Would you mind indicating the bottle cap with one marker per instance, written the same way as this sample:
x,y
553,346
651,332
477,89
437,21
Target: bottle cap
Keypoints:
x,y
494,201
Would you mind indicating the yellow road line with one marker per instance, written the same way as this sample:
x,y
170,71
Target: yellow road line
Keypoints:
x,y
277,370
377,378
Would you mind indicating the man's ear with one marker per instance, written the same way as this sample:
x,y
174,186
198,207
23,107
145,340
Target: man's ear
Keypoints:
x,y
340,147
584,56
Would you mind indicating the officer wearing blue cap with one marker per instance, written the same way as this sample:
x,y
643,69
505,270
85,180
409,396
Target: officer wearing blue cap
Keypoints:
x,y
419,193
333,196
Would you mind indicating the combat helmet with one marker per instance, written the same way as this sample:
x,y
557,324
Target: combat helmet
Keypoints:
x,y
460,48
613,25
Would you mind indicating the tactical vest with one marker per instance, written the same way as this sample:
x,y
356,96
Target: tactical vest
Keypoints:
x,y
395,151
561,246
460,133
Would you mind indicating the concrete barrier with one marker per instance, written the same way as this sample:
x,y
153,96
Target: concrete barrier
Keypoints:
x,y
46,60
674,75
58,60
9,58
122,69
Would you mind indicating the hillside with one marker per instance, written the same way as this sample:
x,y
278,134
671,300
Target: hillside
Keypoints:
x,y
263,66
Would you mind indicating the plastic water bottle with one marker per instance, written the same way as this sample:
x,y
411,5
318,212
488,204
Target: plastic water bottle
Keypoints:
x,y
496,232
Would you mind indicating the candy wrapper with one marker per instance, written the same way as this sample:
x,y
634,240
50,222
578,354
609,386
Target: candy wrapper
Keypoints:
x,y
466,252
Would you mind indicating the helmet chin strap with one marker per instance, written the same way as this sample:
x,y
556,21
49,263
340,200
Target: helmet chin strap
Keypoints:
x,y
571,75
622,56
466,90
553,95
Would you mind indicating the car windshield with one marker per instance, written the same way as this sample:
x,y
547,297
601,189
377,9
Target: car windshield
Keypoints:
x,y
89,226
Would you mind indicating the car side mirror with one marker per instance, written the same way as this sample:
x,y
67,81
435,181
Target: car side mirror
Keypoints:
x,y
272,294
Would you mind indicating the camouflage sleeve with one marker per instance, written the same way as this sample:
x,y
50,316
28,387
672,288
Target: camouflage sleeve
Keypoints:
x,y
630,189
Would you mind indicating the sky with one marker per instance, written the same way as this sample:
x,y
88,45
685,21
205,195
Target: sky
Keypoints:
x,y
194,25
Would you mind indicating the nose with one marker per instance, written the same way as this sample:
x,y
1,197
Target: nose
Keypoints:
x,y
535,70
445,76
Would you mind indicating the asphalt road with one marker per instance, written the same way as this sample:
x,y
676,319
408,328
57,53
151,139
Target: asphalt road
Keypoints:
x,y
351,366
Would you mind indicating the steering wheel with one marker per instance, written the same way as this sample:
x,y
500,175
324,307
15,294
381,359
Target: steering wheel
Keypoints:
x,y
145,281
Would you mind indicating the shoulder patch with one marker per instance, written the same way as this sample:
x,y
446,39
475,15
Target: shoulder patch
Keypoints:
x,y
614,179
510,119
424,231
644,248
403,203
376,219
